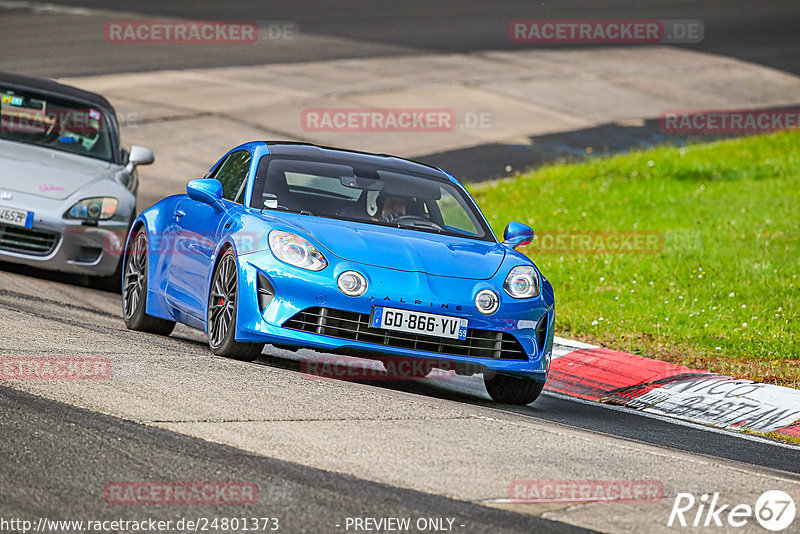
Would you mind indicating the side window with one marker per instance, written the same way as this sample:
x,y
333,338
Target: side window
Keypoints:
x,y
454,214
233,174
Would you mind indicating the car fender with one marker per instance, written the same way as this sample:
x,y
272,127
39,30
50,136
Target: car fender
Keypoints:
x,y
154,220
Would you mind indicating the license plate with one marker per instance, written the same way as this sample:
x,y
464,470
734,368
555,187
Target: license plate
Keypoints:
x,y
429,324
16,217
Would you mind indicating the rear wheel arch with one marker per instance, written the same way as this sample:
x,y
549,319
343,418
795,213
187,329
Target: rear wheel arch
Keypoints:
x,y
135,284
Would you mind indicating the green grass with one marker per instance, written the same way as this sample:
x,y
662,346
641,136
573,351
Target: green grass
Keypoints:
x,y
773,435
720,289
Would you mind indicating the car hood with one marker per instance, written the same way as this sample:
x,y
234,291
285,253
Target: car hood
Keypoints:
x,y
403,249
46,172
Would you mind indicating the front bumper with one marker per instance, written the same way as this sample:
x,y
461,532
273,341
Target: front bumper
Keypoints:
x,y
299,294
64,245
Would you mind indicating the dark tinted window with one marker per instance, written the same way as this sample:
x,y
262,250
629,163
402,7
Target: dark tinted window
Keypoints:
x,y
59,124
367,193
233,174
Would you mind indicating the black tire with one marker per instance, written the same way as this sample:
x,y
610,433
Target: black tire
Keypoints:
x,y
134,292
511,389
222,300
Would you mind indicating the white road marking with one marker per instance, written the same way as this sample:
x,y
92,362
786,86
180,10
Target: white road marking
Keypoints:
x,y
46,8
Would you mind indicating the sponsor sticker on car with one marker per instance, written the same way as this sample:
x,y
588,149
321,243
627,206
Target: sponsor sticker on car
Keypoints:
x,y
16,217
430,324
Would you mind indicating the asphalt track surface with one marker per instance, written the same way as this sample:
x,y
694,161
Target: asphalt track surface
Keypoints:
x,y
58,459
31,300
35,32
763,32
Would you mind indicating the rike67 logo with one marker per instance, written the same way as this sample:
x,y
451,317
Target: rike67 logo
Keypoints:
x,y
774,510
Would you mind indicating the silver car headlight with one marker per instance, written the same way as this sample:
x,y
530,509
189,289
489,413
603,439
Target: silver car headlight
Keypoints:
x,y
93,209
523,282
294,250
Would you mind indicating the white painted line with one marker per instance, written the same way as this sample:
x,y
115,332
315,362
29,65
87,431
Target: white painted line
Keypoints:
x,y
44,8
572,343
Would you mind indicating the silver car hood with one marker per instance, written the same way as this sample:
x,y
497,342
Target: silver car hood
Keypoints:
x,y
46,172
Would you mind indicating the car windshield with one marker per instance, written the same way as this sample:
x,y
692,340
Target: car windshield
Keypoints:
x,y
369,194
59,124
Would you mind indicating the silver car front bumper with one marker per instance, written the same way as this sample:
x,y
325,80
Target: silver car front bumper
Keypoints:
x,y
59,244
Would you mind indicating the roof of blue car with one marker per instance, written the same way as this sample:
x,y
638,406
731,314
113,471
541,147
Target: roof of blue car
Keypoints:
x,y
309,150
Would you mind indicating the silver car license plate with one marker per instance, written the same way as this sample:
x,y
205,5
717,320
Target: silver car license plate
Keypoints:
x,y
413,322
16,217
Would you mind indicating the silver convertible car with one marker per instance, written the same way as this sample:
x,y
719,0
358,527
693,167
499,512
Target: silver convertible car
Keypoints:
x,y
67,187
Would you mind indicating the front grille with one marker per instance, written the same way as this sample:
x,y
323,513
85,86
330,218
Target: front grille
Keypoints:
x,y
355,326
27,240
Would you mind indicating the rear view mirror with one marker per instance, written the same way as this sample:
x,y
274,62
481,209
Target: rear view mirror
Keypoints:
x,y
517,235
207,191
140,155
359,182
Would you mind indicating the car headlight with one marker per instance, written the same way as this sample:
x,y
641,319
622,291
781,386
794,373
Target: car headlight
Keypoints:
x,y
487,301
94,209
523,282
352,284
294,250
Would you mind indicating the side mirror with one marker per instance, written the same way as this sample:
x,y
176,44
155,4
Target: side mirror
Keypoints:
x,y
207,191
140,155
517,235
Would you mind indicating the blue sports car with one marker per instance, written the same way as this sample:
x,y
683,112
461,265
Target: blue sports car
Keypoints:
x,y
345,252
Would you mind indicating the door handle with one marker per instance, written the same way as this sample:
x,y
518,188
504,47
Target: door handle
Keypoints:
x,y
179,214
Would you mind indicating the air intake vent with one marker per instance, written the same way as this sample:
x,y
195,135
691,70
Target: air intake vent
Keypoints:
x,y
541,331
355,326
27,240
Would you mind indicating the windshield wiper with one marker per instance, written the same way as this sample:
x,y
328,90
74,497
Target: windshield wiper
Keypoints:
x,y
284,208
419,228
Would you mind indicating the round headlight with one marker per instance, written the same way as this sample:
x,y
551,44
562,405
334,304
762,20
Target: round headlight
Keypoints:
x,y
522,282
352,284
487,301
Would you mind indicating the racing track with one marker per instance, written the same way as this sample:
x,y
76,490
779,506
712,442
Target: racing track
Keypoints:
x,y
371,434
322,450
762,32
